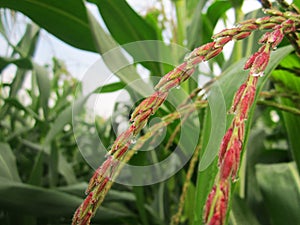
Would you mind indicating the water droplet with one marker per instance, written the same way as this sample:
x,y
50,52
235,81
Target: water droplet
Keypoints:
x,y
274,48
178,87
236,179
260,74
133,141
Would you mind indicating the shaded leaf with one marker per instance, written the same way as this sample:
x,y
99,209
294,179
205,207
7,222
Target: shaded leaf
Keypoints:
x,y
8,167
23,63
126,26
42,202
280,186
66,19
44,87
288,81
240,213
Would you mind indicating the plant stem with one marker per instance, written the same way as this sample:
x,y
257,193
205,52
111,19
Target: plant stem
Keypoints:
x,y
279,106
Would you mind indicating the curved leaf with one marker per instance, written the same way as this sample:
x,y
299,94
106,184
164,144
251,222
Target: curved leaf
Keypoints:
x,y
280,186
229,82
126,26
42,202
8,167
66,19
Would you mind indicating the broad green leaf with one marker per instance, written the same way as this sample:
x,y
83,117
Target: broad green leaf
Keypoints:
x,y
288,81
123,22
44,87
110,87
78,189
228,83
280,187
240,213
126,26
66,19
42,202
8,167
65,169
37,170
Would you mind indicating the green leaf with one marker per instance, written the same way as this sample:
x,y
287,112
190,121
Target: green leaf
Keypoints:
x,y
123,22
240,213
37,170
8,167
14,102
288,81
42,202
66,19
228,83
110,87
126,26
280,187
44,87
65,169
27,45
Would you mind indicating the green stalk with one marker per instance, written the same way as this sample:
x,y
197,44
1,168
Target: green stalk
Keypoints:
x,y
238,47
180,35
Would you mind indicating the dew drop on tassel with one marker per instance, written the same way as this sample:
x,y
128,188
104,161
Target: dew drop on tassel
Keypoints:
x,y
133,141
260,74
178,87
236,179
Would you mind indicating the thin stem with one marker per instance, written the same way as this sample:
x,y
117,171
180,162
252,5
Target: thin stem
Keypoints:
x,y
176,218
279,106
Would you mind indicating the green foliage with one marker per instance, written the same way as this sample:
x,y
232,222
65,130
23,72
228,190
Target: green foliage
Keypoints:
x,y
42,173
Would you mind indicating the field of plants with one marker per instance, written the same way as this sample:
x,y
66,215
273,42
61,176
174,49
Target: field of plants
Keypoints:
x,y
208,133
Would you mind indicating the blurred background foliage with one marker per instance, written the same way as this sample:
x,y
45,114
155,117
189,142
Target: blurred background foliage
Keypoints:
x,y
42,173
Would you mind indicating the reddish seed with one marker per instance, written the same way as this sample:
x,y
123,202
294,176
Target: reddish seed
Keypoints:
x,y
242,35
222,41
250,61
224,144
208,203
263,20
264,38
237,97
248,27
276,37
244,107
93,181
86,202
123,150
260,63
215,220
227,164
213,53
237,146
86,219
